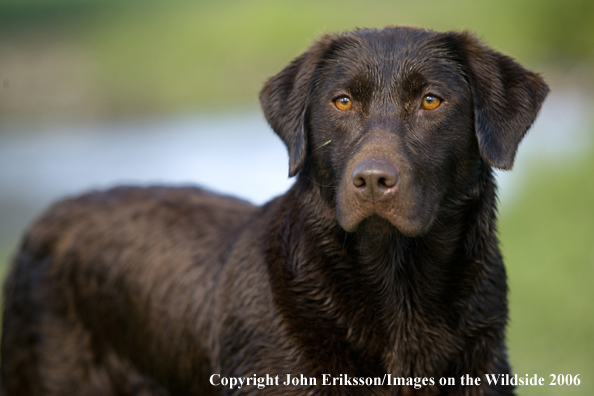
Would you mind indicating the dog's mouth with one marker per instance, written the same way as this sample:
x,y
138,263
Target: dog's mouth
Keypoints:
x,y
367,217
407,212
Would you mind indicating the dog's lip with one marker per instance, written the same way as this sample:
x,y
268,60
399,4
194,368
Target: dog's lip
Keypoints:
x,y
400,221
362,211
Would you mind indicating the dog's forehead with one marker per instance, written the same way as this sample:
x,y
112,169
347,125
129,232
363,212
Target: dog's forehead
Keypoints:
x,y
392,54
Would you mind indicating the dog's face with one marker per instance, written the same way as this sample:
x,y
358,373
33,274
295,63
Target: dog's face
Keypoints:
x,y
398,115
390,122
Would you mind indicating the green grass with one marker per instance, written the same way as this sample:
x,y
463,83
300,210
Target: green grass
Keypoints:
x,y
547,238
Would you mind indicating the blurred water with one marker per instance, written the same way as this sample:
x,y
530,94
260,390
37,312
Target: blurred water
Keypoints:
x,y
235,154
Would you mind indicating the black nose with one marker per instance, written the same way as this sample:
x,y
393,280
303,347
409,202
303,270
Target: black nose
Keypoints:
x,y
375,180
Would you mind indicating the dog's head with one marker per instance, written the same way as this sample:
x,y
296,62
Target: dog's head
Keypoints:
x,y
389,122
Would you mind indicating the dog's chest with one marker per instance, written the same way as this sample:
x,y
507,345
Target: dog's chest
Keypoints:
x,y
409,341
370,328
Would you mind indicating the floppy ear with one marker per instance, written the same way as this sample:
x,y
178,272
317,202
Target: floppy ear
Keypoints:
x,y
506,97
284,99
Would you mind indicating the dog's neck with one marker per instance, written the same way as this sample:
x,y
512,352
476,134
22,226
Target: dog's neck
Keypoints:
x,y
380,297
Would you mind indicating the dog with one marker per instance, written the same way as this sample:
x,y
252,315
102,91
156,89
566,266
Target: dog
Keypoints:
x,y
377,273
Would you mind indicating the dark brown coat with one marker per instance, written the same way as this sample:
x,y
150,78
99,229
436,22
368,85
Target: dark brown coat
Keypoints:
x,y
381,259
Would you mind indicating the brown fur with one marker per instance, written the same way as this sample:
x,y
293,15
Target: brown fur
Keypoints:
x,y
150,291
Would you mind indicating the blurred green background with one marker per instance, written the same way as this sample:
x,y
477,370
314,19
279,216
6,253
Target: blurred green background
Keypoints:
x,y
96,61
111,58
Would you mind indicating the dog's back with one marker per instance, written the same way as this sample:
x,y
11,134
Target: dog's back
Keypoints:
x,y
158,246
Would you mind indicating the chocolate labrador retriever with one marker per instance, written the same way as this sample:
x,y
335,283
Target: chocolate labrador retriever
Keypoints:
x,y
377,273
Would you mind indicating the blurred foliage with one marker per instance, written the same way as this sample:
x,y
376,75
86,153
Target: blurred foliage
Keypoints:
x,y
547,237
163,56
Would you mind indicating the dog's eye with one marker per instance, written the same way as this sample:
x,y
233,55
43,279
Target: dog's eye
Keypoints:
x,y
343,103
430,102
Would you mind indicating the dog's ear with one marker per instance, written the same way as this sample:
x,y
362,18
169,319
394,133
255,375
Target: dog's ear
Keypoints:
x,y
506,97
284,99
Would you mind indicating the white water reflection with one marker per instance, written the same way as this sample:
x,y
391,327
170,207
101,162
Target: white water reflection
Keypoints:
x,y
237,155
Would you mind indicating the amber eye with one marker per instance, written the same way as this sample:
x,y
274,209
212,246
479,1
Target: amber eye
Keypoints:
x,y
430,102
343,103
